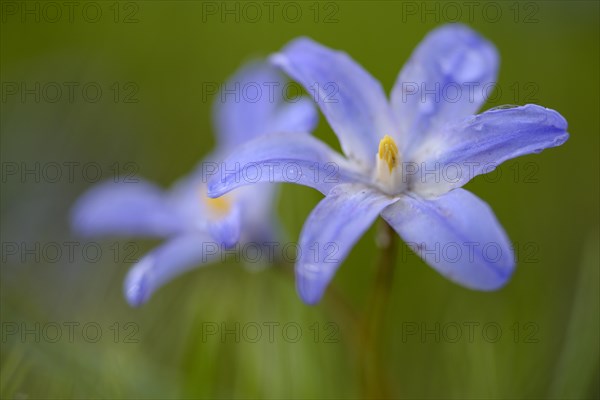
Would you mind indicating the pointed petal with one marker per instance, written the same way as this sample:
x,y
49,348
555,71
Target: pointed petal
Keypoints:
x,y
251,103
112,208
300,159
227,229
241,109
478,144
350,98
166,262
330,232
446,78
458,235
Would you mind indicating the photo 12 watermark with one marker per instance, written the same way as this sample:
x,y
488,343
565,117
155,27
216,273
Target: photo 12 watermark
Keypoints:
x,y
269,332
455,252
432,92
70,12
70,332
269,252
268,92
468,332
252,12
517,12
451,173
70,92
69,172
68,252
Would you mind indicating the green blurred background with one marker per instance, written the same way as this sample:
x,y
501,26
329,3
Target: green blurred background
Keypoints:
x,y
151,60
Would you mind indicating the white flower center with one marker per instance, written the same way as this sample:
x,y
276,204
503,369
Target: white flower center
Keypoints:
x,y
388,170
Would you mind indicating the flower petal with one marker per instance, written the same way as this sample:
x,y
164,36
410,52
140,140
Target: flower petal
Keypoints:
x,y
298,117
227,229
251,103
189,201
300,159
258,208
166,262
478,144
458,235
351,99
330,232
137,208
242,105
447,77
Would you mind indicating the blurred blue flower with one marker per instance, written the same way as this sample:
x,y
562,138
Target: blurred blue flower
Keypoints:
x,y
406,159
251,104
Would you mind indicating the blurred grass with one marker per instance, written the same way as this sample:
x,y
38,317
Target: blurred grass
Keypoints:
x,y
169,54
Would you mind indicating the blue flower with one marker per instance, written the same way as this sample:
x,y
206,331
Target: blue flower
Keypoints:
x,y
251,105
406,159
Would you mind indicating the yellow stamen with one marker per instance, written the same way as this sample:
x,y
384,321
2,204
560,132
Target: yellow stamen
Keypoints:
x,y
219,206
388,151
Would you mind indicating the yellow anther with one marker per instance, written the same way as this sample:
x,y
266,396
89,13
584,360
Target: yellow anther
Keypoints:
x,y
388,151
218,207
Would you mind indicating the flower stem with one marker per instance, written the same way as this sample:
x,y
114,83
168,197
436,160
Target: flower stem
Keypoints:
x,y
376,385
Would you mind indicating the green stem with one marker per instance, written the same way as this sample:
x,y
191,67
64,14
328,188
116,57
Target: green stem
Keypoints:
x,y
364,337
376,385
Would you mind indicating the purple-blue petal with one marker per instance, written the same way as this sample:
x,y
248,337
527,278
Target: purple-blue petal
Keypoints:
x,y
227,229
446,78
252,103
136,208
478,144
300,159
299,116
458,235
166,262
352,101
330,232
258,207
